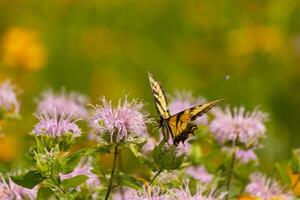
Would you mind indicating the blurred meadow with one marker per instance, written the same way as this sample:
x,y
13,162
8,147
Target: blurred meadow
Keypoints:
x,y
246,51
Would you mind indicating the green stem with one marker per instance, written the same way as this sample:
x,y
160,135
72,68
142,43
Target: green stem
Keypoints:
x,y
120,168
112,173
155,176
58,185
230,175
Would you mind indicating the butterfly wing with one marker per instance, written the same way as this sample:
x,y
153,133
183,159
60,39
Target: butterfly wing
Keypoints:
x,y
161,105
199,110
159,97
180,125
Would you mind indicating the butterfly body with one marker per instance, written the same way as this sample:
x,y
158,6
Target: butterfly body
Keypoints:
x,y
179,126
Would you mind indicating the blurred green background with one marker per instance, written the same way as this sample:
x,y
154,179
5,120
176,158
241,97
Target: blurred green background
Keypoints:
x,y
247,51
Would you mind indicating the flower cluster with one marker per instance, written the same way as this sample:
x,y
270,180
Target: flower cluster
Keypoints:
x,y
201,193
199,173
245,127
242,129
56,126
59,174
148,193
121,123
265,188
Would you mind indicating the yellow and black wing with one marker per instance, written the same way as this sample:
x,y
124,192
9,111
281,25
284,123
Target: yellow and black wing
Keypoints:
x,y
159,97
180,125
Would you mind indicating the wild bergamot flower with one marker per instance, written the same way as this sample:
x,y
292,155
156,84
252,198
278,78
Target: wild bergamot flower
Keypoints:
x,y
123,122
265,188
199,173
8,98
72,104
56,126
149,193
246,127
201,193
244,156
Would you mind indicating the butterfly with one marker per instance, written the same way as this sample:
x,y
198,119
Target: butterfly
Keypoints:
x,y
179,126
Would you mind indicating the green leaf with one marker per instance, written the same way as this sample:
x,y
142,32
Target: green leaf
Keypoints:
x,y
28,180
74,181
166,158
283,173
98,149
127,180
295,161
44,193
72,160
136,150
70,163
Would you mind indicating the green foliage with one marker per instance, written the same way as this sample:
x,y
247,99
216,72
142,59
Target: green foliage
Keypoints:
x,y
295,161
166,158
29,179
127,180
70,162
136,150
74,181
44,193
283,173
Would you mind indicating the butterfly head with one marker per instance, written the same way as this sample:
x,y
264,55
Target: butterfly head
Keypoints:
x,y
162,122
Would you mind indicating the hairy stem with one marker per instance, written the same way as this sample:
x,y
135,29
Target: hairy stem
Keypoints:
x,y
112,173
155,176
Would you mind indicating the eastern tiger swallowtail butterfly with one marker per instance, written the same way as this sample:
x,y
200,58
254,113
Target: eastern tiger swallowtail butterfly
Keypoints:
x,y
179,126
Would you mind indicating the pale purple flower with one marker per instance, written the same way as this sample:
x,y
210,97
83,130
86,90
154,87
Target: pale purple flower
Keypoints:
x,y
168,176
202,193
148,193
56,126
124,122
181,148
123,194
265,188
11,191
72,104
8,98
247,127
184,100
200,173
84,167
243,156
149,146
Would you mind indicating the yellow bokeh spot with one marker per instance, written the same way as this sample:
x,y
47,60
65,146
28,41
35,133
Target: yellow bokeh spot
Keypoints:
x,y
278,198
8,146
296,188
22,48
248,197
250,39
